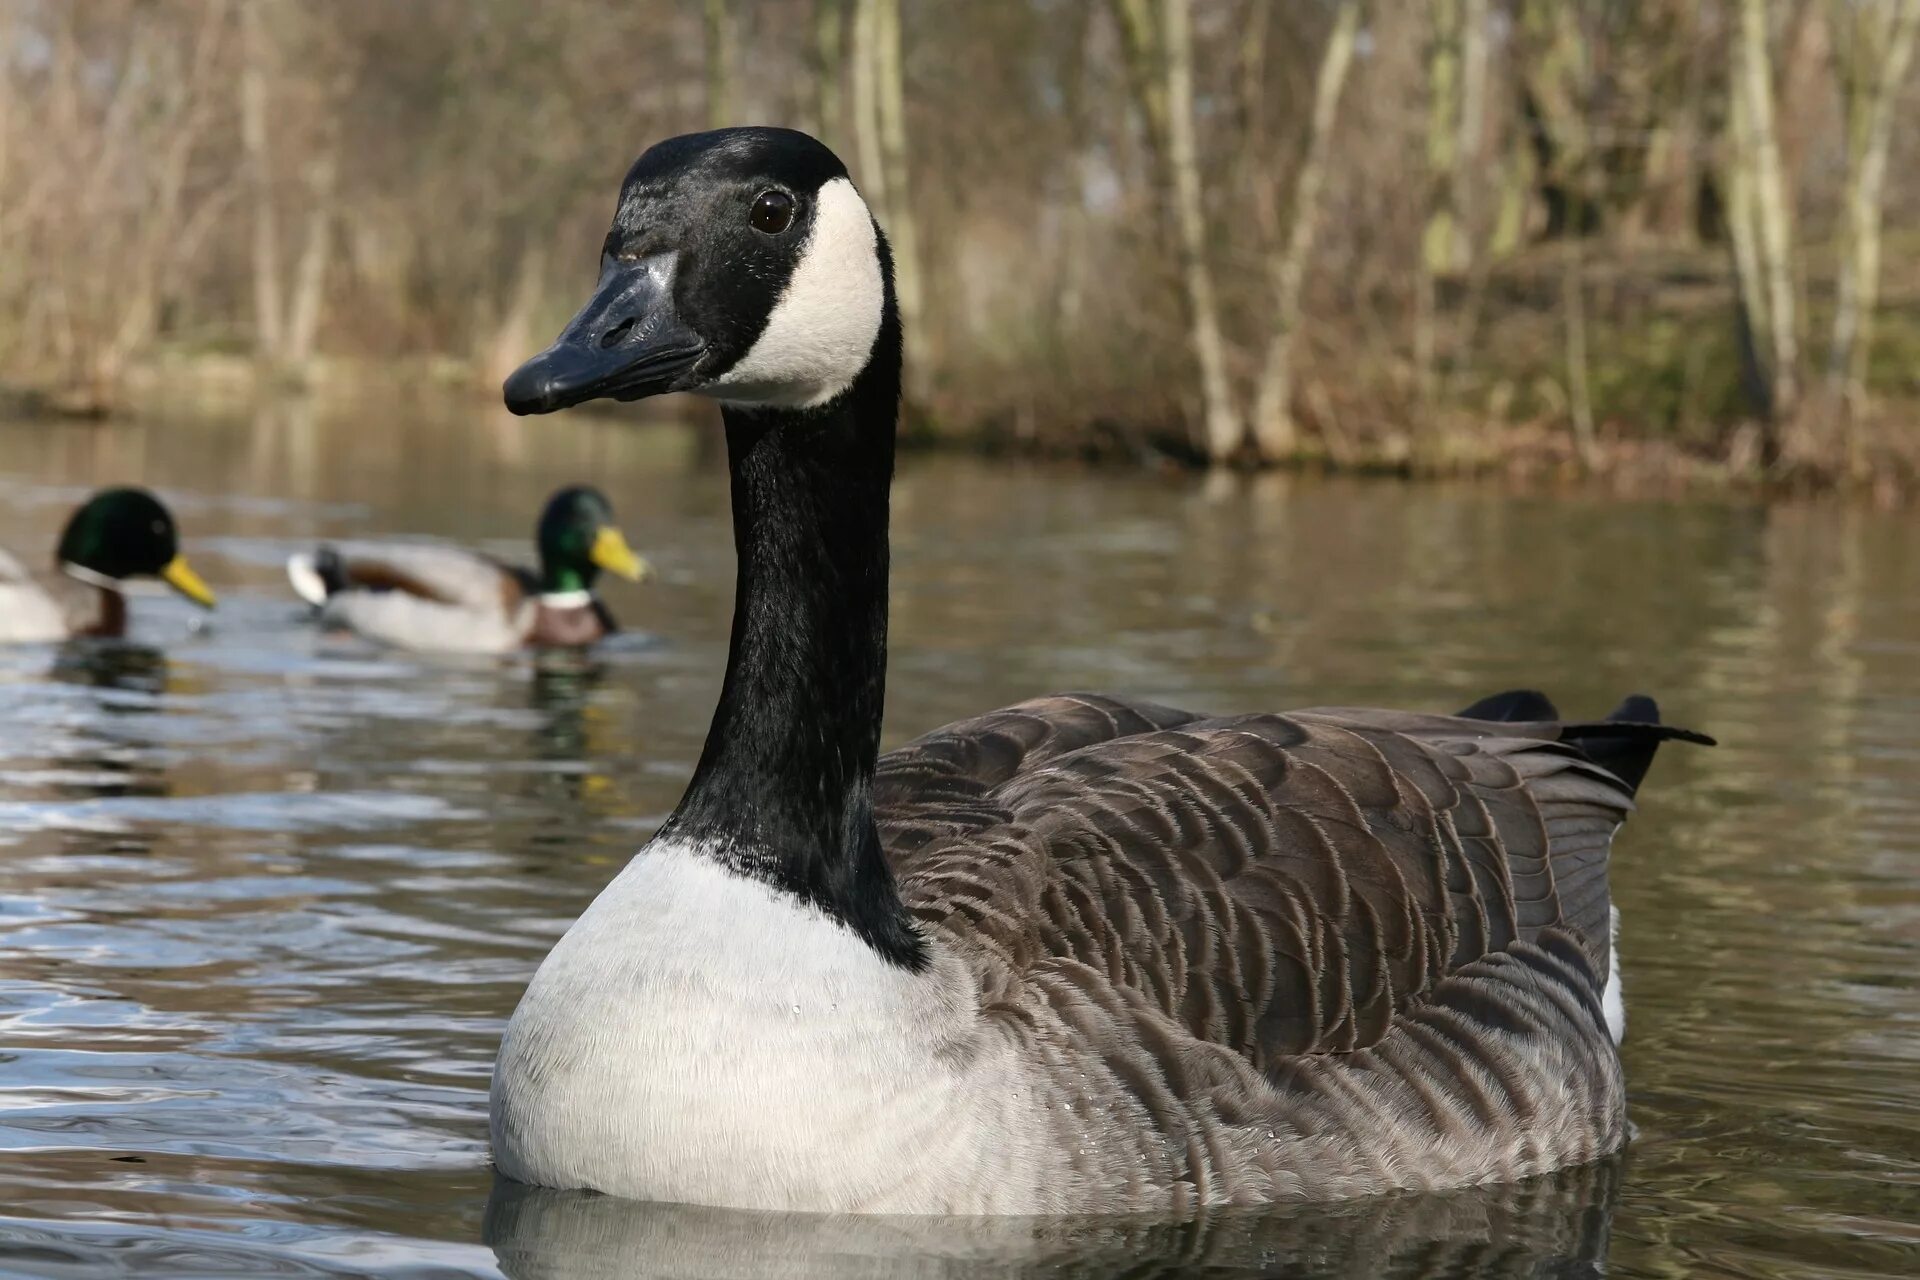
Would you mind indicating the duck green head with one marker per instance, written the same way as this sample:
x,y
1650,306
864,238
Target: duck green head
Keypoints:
x,y
127,533
577,539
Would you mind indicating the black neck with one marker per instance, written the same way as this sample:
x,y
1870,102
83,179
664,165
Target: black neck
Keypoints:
x,y
783,791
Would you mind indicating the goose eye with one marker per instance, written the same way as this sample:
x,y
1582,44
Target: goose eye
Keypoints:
x,y
772,212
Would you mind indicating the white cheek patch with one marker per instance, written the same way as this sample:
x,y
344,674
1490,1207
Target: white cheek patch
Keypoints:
x,y
820,333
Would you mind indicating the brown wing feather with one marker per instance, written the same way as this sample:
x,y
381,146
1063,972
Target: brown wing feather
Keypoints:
x,y
368,573
1279,885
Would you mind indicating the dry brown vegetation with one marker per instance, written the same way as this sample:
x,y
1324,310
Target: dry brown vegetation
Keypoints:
x,y
1667,236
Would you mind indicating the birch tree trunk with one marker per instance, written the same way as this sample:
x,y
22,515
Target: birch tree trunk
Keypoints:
x,y
1573,304
1440,238
1224,430
310,273
902,229
718,21
1874,84
1275,433
1143,58
1471,128
1753,322
267,335
1441,241
866,108
1771,212
829,54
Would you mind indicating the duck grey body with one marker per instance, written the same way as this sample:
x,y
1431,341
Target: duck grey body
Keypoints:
x,y
1080,955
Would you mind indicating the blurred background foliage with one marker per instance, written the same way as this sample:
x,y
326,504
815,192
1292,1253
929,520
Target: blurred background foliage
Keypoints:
x,y
1667,238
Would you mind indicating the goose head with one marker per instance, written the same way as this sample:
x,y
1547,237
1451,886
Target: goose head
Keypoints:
x,y
128,533
741,265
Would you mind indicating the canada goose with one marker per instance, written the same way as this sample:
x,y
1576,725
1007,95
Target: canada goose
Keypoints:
x,y
115,535
449,599
1085,954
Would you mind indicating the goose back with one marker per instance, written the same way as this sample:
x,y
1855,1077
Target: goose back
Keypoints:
x,y
1385,934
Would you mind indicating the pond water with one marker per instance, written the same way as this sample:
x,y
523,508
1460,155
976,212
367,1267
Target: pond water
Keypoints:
x,y
267,898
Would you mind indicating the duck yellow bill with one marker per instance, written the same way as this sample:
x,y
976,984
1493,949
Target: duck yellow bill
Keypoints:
x,y
611,552
180,576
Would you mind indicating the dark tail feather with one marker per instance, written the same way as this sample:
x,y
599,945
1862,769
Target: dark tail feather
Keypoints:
x,y
1623,744
1515,706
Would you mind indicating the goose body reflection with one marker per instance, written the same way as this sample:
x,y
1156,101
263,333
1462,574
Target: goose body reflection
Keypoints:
x,y
1556,1225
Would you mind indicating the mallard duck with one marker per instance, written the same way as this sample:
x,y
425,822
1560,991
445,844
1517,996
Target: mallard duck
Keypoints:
x,y
1086,954
115,535
428,596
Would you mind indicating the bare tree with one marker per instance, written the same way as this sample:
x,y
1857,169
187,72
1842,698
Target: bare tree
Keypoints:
x,y
717,17
829,55
1762,218
1876,61
1443,249
1224,429
1143,56
1470,128
268,315
866,107
1275,434
287,324
1117,192
105,150
903,227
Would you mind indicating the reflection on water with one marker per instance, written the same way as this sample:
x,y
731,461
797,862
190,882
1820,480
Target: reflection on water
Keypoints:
x,y
117,759
1555,1226
267,896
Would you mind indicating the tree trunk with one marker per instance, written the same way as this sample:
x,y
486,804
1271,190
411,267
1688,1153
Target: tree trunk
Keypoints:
x,y
903,229
1870,112
1275,433
1752,322
1469,141
721,108
1224,430
1075,257
1772,214
1573,302
169,237
1440,244
1143,57
866,108
7,39
829,54
267,333
310,273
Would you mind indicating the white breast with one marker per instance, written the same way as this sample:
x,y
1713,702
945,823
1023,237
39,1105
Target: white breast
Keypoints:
x,y
700,1037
